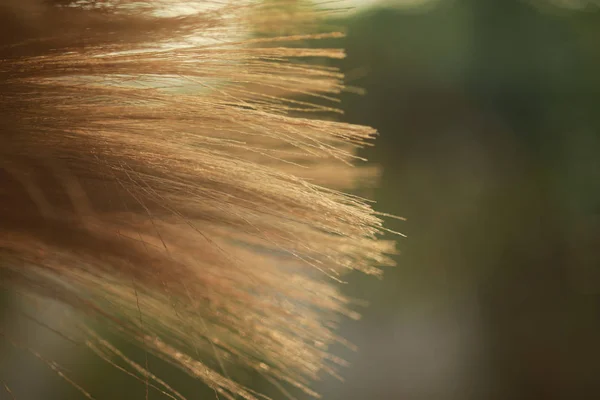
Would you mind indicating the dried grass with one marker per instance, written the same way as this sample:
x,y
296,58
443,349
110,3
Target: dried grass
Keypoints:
x,y
156,176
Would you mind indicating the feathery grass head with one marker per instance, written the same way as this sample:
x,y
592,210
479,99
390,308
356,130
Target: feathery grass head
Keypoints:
x,y
170,171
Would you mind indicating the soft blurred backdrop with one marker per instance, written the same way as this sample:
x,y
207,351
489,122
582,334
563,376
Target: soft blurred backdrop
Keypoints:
x,y
489,121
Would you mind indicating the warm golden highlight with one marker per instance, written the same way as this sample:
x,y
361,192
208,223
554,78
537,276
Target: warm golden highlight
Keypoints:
x,y
164,159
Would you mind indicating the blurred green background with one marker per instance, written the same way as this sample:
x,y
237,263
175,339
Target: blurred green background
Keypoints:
x,y
489,121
